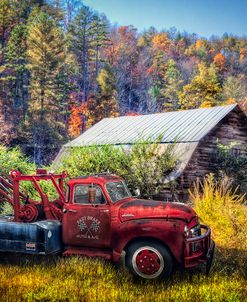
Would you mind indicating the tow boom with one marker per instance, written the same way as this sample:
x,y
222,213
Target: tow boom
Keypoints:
x,y
27,209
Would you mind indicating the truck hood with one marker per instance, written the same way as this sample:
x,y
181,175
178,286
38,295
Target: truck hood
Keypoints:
x,y
153,209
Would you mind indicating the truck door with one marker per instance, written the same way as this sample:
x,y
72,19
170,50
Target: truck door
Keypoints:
x,y
86,224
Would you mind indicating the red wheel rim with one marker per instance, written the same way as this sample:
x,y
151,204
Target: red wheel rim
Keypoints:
x,y
148,262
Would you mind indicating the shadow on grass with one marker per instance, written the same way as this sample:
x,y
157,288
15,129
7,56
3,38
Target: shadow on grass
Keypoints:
x,y
27,260
226,262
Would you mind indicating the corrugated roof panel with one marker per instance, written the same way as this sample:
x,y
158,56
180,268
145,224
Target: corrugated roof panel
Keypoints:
x,y
180,126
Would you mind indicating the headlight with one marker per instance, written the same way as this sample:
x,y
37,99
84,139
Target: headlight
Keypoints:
x,y
186,231
195,231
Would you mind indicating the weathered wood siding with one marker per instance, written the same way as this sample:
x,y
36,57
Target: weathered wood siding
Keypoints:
x,y
233,128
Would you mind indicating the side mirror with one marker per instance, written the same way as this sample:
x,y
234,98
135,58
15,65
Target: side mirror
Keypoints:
x,y
92,195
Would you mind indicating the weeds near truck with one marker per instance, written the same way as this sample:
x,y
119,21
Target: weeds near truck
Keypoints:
x,y
226,213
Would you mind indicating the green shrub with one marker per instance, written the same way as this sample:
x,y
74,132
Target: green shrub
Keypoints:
x,y
231,160
13,159
143,165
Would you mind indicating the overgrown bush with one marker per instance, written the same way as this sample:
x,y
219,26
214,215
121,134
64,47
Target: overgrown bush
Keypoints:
x,y
230,160
13,159
225,212
143,165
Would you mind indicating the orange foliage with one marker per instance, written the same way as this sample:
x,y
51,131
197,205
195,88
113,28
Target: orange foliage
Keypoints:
x,y
120,40
124,31
242,54
161,42
77,119
220,61
151,70
132,113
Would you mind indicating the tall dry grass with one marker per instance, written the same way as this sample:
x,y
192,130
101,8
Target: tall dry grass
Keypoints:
x,y
226,212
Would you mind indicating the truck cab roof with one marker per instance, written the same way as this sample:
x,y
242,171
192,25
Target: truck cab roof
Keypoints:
x,y
102,178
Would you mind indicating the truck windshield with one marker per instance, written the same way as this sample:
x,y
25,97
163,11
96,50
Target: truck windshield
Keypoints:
x,y
117,190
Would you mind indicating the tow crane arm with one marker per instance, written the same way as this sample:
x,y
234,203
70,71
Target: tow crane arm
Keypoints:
x,y
27,209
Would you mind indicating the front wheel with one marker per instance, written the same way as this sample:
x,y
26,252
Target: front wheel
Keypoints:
x,y
149,260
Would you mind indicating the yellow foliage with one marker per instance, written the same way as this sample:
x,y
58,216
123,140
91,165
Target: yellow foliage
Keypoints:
x,y
161,42
141,42
207,104
231,101
200,44
224,210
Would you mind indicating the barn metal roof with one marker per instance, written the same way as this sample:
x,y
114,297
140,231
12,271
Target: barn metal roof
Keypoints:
x,y
180,126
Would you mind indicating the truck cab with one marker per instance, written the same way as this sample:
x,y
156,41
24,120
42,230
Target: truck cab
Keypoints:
x,y
101,218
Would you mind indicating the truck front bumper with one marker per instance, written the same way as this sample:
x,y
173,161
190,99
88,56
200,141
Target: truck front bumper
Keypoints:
x,y
199,249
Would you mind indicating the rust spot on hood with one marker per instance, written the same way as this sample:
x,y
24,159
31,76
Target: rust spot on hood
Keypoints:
x,y
141,203
180,207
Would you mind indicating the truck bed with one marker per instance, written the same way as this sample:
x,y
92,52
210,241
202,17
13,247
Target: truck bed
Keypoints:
x,y
40,237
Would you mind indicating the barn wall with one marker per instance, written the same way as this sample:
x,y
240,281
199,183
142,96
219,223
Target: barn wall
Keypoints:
x,y
232,128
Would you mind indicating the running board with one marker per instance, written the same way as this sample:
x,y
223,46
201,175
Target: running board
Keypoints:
x,y
88,252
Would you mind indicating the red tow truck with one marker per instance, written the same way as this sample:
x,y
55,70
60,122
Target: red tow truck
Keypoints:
x,y
96,216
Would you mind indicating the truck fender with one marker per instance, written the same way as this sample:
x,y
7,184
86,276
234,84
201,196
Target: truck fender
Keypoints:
x,y
155,230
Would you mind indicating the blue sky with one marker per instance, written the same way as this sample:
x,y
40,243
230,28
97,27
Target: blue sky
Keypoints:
x,y
204,17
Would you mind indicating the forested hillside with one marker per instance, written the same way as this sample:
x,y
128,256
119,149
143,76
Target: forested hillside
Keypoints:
x,y
64,67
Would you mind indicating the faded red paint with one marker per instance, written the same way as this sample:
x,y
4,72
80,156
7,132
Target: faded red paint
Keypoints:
x,y
128,220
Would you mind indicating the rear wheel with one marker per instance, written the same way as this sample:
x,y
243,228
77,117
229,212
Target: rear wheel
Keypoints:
x,y
149,260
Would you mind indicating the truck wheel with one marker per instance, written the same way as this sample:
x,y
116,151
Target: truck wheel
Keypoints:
x,y
149,260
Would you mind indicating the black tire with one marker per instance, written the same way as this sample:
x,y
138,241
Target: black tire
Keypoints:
x,y
149,260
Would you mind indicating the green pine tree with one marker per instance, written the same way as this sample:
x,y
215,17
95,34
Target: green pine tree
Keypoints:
x,y
173,84
87,35
16,61
46,56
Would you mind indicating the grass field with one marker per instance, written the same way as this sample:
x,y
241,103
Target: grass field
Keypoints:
x,y
29,278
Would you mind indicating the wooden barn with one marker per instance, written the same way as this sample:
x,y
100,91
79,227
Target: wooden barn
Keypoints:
x,y
196,133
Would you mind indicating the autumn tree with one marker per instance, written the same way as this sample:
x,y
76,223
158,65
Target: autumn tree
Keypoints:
x,y
7,19
145,39
46,58
173,85
79,119
234,88
160,46
104,103
220,61
123,41
161,42
204,87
